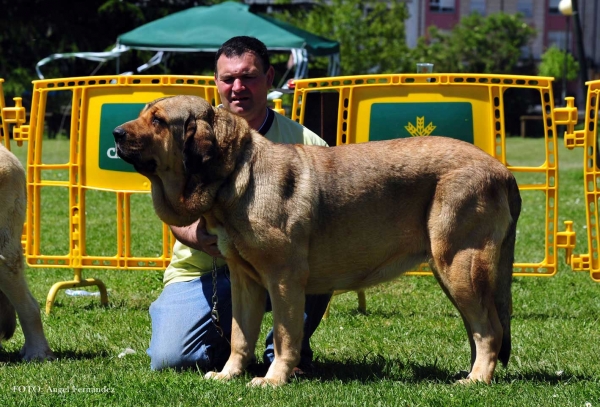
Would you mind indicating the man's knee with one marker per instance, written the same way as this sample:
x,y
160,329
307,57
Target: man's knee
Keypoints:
x,y
166,359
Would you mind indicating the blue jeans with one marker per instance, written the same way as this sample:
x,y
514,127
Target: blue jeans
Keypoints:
x,y
183,334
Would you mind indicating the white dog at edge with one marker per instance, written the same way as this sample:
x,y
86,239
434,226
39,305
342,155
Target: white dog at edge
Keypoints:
x,y
14,293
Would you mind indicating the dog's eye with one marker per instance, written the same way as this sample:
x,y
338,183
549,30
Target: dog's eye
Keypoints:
x,y
156,121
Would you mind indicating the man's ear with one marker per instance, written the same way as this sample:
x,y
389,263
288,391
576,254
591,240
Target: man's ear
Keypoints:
x,y
270,76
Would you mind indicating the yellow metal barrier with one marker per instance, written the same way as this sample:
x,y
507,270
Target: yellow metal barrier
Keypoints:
x,y
96,106
370,107
466,106
588,139
10,116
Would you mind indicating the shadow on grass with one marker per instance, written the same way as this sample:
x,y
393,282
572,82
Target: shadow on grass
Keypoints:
x,y
403,315
87,304
378,368
15,358
544,377
375,369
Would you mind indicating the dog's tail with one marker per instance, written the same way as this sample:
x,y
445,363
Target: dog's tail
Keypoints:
x,y
503,298
8,318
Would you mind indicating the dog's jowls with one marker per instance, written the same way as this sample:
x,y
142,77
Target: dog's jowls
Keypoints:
x,y
14,293
295,219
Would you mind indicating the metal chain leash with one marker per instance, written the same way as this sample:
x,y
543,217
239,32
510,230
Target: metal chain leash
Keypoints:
x,y
214,314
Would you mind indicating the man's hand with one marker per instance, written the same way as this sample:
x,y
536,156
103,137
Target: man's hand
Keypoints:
x,y
197,237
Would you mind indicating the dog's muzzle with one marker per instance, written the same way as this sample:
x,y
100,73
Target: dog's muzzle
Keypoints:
x,y
132,156
119,134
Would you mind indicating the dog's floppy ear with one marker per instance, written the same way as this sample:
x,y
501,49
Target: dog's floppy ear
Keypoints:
x,y
200,143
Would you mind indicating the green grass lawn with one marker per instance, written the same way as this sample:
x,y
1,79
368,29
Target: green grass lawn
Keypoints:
x,y
407,350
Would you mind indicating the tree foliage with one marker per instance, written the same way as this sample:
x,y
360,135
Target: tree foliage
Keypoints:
x,y
371,33
553,64
372,39
34,29
478,44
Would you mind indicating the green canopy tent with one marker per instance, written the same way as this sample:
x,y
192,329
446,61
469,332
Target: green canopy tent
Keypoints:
x,y
204,29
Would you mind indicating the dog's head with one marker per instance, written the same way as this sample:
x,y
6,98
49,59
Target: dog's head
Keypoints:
x,y
173,143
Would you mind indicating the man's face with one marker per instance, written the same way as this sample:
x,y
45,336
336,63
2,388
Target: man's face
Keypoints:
x,y
242,84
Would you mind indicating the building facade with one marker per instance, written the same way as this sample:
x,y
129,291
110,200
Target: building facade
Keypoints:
x,y
552,27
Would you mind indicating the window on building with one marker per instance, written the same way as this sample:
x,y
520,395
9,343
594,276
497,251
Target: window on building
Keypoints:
x,y
442,5
557,38
553,7
526,52
478,6
525,7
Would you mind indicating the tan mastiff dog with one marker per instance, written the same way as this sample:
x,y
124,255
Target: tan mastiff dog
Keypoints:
x,y
294,220
14,293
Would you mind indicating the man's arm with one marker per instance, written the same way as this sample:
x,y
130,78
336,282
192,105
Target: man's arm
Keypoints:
x,y
197,237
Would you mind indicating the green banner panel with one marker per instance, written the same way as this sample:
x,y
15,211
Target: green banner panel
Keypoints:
x,y
113,115
400,120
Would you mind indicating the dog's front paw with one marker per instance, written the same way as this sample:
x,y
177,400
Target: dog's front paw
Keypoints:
x,y
469,380
40,355
264,382
218,376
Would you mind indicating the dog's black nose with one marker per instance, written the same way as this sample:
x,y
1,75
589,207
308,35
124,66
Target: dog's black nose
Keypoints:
x,y
119,133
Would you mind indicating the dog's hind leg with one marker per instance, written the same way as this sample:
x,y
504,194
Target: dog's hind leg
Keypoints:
x,y
466,281
470,223
14,286
465,322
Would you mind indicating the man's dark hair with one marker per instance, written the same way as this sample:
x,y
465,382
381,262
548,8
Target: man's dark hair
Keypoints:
x,y
238,46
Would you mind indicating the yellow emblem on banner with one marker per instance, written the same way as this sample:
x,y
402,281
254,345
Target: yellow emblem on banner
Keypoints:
x,y
420,129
